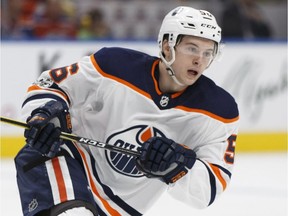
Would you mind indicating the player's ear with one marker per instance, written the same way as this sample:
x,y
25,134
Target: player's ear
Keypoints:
x,y
166,50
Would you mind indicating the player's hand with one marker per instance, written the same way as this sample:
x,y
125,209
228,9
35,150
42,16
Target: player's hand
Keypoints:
x,y
165,159
46,124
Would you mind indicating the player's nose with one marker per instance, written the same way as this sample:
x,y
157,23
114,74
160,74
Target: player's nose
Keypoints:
x,y
196,60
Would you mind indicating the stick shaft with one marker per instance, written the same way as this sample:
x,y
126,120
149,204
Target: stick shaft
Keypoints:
x,y
82,140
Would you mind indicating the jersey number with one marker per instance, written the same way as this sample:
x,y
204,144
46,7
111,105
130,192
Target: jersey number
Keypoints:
x,y
230,151
59,74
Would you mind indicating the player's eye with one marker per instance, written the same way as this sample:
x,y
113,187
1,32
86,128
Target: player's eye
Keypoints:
x,y
208,54
192,50
189,50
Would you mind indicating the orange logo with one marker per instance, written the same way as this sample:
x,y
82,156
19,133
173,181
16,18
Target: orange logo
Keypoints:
x,y
178,176
37,118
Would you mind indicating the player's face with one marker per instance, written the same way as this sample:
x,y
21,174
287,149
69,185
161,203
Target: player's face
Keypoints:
x,y
192,56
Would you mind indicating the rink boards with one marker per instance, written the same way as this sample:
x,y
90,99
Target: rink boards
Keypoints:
x,y
255,73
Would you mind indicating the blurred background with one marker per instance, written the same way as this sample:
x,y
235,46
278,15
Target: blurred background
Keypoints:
x,y
134,19
38,35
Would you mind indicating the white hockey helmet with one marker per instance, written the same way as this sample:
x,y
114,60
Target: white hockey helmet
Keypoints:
x,y
189,21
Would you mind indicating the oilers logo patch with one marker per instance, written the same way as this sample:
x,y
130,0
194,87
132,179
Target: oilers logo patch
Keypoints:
x,y
131,138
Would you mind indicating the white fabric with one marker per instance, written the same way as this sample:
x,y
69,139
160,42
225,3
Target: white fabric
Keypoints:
x,y
57,187
107,108
76,212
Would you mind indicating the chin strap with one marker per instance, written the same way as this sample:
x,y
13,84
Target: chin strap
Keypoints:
x,y
172,74
169,69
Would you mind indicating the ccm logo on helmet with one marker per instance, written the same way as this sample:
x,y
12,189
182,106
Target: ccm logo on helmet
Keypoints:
x,y
208,26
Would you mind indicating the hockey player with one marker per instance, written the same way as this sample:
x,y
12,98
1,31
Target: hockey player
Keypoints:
x,y
181,122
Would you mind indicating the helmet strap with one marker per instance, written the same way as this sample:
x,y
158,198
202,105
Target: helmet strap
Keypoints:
x,y
169,68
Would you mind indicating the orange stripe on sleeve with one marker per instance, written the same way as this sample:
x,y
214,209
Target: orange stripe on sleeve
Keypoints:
x,y
59,179
217,172
97,67
212,115
35,87
111,210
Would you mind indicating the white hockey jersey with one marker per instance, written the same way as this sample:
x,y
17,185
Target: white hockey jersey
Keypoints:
x,y
114,97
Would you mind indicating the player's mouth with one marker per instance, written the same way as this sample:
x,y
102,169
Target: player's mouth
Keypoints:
x,y
192,72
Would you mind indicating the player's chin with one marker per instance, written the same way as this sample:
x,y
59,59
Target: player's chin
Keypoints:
x,y
191,80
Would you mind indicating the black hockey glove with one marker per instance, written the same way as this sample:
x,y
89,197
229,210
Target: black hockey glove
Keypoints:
x,y
163,158
46,123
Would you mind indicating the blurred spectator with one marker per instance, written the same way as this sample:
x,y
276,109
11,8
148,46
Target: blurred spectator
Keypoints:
x,y
122,25
53,21
25,18
69,19
92,25
37,19
16,18
244,19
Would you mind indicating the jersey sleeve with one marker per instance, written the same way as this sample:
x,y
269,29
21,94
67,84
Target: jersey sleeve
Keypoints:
x,y
71,84
212,171
75,84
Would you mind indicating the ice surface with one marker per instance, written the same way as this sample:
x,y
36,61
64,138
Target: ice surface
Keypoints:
x,y
258,188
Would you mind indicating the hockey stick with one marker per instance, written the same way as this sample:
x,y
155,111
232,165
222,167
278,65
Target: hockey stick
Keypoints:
x,y
82,140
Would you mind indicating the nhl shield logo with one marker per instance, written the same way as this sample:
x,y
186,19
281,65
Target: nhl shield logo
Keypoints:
x,y
32,205
131,138
164,101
